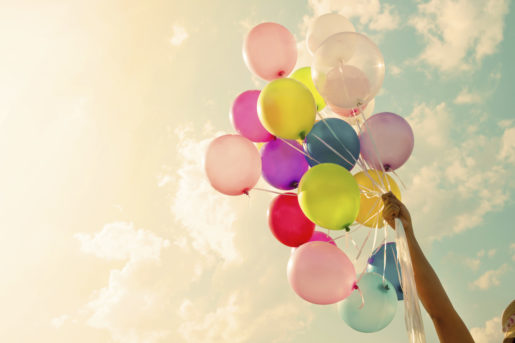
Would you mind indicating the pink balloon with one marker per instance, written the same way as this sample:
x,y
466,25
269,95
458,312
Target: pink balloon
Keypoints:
x,y
322,237
386,141
344,87
232,164
321,273
270,51
245,118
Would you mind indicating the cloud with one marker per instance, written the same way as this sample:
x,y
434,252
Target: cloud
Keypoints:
x,y
179,35
394,70
507,151
489,278
369,12
466,97
490,333
453,177
120,241
57,322
459,34
206,215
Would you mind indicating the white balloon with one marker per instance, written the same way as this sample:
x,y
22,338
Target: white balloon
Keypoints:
x,y
325,26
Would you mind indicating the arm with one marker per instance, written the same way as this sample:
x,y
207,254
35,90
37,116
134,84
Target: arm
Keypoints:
x,y
448,324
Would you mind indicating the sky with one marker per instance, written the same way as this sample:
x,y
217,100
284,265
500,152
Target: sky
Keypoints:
x,y
110,229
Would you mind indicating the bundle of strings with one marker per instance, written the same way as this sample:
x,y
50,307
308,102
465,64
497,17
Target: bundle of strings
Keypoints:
x,y
412,315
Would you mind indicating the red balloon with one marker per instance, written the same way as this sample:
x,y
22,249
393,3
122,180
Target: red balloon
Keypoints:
x,y
287,221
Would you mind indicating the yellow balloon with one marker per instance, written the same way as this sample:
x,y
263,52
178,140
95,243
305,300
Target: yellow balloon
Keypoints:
x,y
304,75
259,145
329,196
287,109
370,209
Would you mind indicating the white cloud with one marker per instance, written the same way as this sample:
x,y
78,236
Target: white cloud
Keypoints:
x,y
507,151
489,278
206,215
490,333
459,33
467,97
394,70
57,322
369,12
179,35
120,241
450,185
491,252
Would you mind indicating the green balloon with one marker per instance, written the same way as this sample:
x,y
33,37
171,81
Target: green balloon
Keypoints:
x,y
329,196
379,304
303,75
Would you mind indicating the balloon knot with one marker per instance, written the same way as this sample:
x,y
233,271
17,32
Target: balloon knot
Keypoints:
x,y
294,184
355,286
281,73
246,191
347,228
302,135
387,167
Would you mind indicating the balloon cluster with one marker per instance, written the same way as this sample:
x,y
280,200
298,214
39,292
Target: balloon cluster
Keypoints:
x,y
315,157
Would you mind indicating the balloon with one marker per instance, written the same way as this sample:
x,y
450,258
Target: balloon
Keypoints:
x,y
320,236
352,116
324,27
303,75
379,306
245,118
232,164
287,108
348,70
392,270
371,204
329,196
282,165
287,221
386,141
321,273
270,51
340,136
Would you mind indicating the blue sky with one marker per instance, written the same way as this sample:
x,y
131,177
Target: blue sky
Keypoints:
x,y
111,232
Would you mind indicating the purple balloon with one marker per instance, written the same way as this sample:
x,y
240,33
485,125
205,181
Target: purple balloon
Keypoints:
x,y
282,165
386,141
320,236
245,118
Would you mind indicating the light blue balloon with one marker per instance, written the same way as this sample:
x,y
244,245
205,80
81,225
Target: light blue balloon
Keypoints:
x,y
340,136
393,269
379,307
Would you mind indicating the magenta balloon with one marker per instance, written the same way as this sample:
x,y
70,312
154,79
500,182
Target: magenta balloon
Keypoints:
x,y
321,273
322,237
245,118
386,141
270,51
232,164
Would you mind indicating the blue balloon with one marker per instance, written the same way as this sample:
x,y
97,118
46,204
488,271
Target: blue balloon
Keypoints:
x,y
340,136
393,269
379,306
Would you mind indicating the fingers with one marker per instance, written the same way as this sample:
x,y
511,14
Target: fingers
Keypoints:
x,y
391,211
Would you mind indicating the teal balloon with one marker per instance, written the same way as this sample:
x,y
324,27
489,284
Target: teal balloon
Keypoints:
x,y
392,270
340,136
379,307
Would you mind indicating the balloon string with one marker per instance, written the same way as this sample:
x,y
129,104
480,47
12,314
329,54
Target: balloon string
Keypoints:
x,y
332,149
301,151
362,298
385,253
270,191
374,243
363,245
400,180
397,266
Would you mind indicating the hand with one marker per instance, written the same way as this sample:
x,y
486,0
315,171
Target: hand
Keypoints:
x,y
393,208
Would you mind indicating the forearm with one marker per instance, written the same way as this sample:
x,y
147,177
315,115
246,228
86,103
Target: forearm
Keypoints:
x,y
448,324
